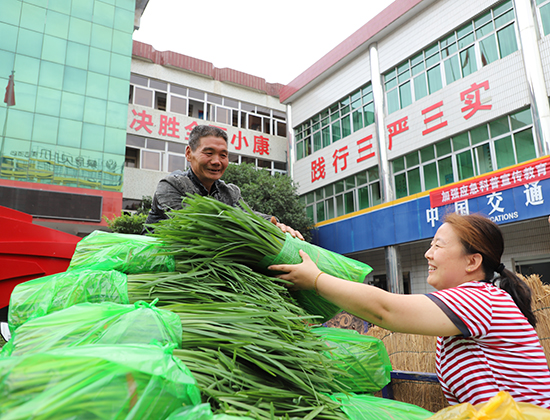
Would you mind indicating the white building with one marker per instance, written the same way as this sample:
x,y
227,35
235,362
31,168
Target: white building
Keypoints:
x,y
432,106
170,93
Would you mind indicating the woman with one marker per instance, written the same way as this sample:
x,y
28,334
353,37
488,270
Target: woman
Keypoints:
x,y
486,338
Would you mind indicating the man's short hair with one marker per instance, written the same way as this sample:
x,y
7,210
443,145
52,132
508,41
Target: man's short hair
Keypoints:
x,y
204,131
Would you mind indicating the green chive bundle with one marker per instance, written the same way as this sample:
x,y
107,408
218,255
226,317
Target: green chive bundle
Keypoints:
x,y
207,228
105,382
247,343
45,295
96,323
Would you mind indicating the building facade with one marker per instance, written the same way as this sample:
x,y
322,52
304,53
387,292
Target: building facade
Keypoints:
x,y
431,107
170,93
63,139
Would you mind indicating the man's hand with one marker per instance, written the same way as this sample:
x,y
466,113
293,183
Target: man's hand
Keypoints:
x,y
285,229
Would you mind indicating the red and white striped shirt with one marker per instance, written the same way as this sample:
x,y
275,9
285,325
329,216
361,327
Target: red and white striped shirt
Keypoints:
x,y
499,351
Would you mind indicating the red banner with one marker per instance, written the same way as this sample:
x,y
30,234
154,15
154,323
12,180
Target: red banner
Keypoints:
x,y
527,173
9,97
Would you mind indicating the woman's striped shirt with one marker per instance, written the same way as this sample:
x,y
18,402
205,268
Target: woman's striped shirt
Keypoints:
x,y
498,351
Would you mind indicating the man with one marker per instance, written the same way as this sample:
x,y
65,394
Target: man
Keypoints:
x,y
208,156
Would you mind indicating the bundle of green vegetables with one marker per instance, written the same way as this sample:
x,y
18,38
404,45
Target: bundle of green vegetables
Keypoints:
x,y
207,228
45,295
122,252
122,382
96,323
362,356
248,345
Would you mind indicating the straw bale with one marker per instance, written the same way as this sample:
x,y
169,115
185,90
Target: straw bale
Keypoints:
x,y
540,303
412,353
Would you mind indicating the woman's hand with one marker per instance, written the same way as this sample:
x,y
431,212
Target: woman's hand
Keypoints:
x,y
301,275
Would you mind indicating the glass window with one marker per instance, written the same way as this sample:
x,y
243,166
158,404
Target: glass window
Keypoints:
x,y
434,79
317,142
468,61
223,115
460,141
414,181
336,132
545,18
346,126
150,160
507,41
525,146
420,86
504,152
488,50
521,118
443,147
329,208
430,176
338,187
465,166
452,69
363,194
368,111
340,210
376,194
178,105
357,120
320,210
427,153
398,164
349,200
325,133
401,185
445,167
479,134
499,127
483,156
143,97
175,162
393,101
405,95
412,159
373,173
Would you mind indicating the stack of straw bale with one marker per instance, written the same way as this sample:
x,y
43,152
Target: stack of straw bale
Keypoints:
x,y
416,353
412,353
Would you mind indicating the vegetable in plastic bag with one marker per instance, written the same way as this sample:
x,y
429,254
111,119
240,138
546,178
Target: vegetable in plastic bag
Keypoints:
x,y
42,296
369,407
207,228
93,382
501,407
127,253
363,357
201,412
96,323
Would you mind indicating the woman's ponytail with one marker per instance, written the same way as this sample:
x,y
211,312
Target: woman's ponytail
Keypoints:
x,y
520,292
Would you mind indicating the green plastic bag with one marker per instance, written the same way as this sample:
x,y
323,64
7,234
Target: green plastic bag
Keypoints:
x,y
369,407
363,357
96,323
39,297
127,253
201,412
93,382
327,261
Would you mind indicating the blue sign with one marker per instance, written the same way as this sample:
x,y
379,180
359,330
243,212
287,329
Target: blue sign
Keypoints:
x,y
415,220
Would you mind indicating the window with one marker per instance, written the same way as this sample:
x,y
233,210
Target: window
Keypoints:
x,y
201,105
500,143
350,114
357,192
475,44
